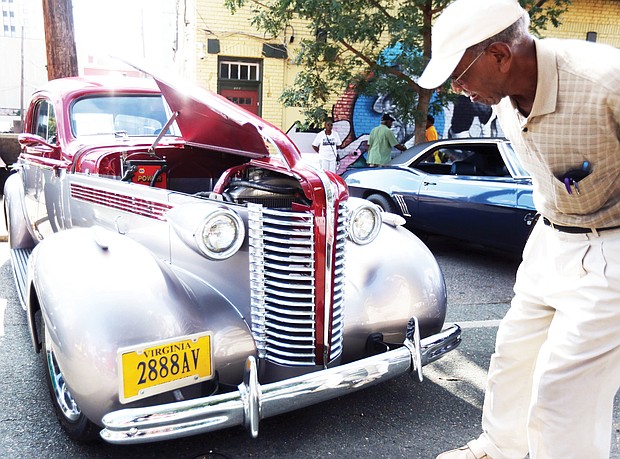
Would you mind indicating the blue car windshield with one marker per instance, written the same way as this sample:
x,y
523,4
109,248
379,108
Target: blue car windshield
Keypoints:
x,y
126,115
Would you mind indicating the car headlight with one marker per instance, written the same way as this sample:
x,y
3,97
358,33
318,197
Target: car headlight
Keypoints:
x,y
364,224
221,234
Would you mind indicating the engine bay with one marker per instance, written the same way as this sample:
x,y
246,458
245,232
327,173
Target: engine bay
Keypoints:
x,y
211,175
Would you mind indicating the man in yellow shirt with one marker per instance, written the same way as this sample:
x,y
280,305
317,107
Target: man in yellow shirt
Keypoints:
x,y
431,134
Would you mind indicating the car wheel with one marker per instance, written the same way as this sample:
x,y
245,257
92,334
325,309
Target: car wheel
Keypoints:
x,y
383,202
73,421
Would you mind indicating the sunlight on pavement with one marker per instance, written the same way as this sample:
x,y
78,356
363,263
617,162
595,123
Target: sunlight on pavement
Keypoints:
x,y
459,375
479,324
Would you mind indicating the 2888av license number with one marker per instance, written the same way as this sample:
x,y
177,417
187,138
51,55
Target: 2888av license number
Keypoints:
x,y
159,367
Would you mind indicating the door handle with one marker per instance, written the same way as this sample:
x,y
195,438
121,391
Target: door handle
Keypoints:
x,y
530,218
428,183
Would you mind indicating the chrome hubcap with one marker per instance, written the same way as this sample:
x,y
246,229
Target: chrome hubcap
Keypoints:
x,y
63,397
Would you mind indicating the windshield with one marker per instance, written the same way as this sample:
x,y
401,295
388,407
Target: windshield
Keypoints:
x,y
126,115
513,161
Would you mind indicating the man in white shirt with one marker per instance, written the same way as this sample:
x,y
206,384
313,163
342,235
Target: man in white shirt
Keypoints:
x,y
325,144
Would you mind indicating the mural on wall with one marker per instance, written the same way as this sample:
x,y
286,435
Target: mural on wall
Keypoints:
x,y
355,115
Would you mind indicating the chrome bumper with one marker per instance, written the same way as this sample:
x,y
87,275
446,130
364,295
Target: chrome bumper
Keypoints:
x,y
253,402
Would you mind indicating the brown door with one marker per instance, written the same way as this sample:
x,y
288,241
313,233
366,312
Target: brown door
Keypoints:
x,y
246,98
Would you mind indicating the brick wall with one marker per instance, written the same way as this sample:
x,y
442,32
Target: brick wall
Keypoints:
x,y
583,16
240,40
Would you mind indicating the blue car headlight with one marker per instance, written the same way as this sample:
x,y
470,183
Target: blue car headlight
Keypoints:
x,y
364,224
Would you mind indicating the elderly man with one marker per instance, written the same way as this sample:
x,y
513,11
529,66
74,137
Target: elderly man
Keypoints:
x,y
556,366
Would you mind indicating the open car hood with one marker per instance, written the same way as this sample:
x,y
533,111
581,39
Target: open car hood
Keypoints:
x,y
211,121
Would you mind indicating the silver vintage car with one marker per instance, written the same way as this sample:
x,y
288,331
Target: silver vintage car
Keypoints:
x,y
183,270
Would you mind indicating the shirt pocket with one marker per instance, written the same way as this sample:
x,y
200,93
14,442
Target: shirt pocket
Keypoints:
x,y
591,193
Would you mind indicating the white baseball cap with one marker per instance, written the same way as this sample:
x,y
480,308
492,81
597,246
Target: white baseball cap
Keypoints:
x,y
462,24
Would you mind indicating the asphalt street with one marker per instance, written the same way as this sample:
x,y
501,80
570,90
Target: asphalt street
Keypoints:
x,y
398,419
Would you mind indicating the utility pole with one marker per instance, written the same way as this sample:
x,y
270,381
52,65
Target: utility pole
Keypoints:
x,y
59,39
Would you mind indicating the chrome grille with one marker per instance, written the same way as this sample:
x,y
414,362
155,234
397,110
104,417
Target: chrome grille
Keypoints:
x,y
339,283
282,274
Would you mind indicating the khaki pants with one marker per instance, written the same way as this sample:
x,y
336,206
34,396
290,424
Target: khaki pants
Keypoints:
x,y
556,367
328,164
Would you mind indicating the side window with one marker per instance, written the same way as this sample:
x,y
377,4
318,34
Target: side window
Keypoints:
x,y
483,161
462,159
45,121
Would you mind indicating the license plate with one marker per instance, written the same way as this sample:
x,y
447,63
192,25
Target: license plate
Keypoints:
x,y
162,366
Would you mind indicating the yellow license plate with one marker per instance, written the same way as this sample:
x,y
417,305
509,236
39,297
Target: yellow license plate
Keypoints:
x,y
154,368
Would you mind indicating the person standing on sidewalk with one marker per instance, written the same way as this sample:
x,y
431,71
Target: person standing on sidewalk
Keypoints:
x,y
556,366
325,144
381,141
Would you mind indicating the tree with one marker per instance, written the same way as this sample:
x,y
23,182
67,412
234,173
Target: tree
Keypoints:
x,y
375,46
59,39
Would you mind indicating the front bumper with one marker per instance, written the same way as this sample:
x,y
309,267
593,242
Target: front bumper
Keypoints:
x,y
253,402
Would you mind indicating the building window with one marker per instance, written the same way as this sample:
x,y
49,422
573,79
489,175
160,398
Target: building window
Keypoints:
x,y
591,36
243,71
241,100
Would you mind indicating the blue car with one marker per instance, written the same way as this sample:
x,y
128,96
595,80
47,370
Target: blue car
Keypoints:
x,y
472,189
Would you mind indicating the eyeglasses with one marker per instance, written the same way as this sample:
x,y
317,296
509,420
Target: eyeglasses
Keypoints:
x,y
458,80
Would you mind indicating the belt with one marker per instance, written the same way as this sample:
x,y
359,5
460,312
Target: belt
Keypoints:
x,y
576,229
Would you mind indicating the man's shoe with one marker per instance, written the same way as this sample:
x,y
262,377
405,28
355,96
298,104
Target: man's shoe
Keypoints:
x,y
470,451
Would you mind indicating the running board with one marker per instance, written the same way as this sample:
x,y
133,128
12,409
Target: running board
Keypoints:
x,y
19,261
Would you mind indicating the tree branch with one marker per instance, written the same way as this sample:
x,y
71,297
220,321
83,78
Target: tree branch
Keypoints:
x,y
373,64
382,9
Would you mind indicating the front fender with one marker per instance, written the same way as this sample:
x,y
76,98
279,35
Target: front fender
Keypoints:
x,y
99,291
393,278
20,236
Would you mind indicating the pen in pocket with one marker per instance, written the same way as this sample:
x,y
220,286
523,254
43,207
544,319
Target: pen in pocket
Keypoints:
x,y
572,177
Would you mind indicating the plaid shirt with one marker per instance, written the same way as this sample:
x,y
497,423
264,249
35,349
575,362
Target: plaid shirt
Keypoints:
x,y
575,118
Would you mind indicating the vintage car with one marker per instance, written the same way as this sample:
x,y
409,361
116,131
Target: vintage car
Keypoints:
x,y
183,270
472,189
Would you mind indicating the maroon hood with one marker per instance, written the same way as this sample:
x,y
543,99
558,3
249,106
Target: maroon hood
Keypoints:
x,y
209,120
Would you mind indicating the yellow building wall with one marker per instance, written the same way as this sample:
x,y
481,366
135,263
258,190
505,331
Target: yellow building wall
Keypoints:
x,y
239,39
583,16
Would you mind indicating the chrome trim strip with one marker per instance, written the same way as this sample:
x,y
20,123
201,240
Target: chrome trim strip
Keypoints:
x,y
124,202
400,199
330,239
253,402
